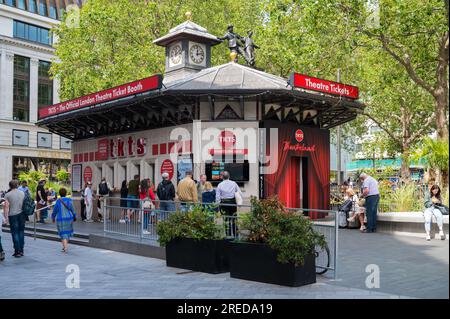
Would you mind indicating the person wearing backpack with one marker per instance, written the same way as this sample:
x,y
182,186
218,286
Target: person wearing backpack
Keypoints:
x,y
103,191
64,215
15,199
166,194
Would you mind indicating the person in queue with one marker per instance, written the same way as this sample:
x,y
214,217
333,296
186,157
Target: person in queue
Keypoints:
x,y
166,194
124,202
201,185
226,198
147,198
187,192
41,199
133,194
433,204
89,201
372,198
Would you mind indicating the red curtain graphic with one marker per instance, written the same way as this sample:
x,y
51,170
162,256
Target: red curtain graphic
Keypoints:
x,y
284,182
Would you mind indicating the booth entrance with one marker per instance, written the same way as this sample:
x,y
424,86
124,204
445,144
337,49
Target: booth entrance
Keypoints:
x,y
294,183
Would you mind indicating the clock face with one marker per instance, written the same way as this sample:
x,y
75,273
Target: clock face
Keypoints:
x,y
175,54
197,54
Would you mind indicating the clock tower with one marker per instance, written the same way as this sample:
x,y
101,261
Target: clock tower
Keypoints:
x,y
188,49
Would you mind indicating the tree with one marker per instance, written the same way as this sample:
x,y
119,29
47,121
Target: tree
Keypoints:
x,y
436,154
112,42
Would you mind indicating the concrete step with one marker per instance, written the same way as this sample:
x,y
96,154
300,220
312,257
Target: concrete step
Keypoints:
x,y
49,234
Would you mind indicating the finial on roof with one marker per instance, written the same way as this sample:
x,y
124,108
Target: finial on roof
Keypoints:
x,y
233,56
188,15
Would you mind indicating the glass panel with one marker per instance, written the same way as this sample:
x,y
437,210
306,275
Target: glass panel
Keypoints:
x,y
21,88
10,3
21,4
52,11
32,5
33,33
20,30
42,8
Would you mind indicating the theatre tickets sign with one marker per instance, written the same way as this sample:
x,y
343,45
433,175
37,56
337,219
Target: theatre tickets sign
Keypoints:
x,y
324,86
151,83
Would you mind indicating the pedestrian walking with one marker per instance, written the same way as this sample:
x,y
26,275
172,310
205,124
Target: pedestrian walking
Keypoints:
x,y
83,204
16,217
166,194
2,222
372,198
64,215
89,202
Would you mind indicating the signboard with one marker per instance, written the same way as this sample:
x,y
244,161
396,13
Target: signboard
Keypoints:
x,y
167,166
151,83
299,135
184,165
76,178
102,150
87,175
325,86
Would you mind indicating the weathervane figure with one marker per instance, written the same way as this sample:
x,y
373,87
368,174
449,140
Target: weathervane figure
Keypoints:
x,y
249,48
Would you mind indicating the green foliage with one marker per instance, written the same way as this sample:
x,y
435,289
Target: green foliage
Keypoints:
x,y
290,234
32,177
445,196
435,152
62,175
197,224
404,199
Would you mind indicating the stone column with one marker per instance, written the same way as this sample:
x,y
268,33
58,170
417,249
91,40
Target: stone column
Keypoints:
x,y
34,69
6,84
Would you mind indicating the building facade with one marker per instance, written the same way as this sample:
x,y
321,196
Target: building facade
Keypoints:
x,y
26,53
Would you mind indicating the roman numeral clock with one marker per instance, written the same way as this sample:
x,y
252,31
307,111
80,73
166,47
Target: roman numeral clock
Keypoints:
x,y
188,49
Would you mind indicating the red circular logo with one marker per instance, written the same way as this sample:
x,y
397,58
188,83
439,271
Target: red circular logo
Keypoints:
x,y
227,139
167,166
87,175
299,135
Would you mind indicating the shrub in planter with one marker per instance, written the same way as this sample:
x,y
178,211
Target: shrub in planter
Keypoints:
x,y
279,246
194,241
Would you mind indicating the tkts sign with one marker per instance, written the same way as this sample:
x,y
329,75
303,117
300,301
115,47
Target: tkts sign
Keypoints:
x,y
330,87
147,84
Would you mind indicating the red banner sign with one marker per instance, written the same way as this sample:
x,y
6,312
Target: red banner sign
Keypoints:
x,y
167,167
325,86
102,150
87,175
152,83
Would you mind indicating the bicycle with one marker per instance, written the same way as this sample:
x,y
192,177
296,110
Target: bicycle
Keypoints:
x,y
322,254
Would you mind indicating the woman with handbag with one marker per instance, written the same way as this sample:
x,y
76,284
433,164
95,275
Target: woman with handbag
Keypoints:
x,y
433,204
147,197
64,215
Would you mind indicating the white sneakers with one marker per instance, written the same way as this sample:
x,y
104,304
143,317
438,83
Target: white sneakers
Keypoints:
x,y
441,234
146,232
122,221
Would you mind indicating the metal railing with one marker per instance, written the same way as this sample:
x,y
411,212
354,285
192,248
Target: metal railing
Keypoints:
x,y
35,218
141,222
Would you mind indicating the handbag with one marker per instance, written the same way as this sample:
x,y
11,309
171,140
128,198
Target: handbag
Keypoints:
x,y
147,204
73,214
238,198
442,208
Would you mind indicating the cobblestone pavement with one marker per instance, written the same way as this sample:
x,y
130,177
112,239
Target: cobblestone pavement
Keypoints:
x,y
409,267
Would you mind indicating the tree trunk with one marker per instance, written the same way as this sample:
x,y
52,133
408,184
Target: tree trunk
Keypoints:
x,y
404,168
441,106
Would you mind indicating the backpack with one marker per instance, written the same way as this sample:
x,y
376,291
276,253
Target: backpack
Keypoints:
x,y
103,189
163,191
28,206
346,206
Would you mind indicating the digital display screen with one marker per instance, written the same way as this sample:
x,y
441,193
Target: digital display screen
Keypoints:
x,y
239,172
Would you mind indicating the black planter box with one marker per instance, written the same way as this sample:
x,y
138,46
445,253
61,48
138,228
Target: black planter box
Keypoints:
x,y
205,255
258,262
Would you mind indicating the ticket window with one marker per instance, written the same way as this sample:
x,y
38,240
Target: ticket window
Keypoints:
x,y
120,174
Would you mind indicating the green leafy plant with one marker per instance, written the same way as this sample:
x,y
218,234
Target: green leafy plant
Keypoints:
x,y
32,177
62,176
200,223
403,199
289,233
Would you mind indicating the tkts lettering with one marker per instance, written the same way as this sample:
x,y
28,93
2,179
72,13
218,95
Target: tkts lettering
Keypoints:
x,y
120,147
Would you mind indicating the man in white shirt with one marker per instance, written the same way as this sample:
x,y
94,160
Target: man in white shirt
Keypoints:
x,y
226,197
89,201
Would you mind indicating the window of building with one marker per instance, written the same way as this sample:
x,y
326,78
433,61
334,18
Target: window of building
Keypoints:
x,y
11,3
48,165
43,8
65,143
45,85
21,4
21,93
20,137
44,140
52,9
32,6
32,33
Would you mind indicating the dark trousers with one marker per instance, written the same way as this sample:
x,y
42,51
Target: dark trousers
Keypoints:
x,y
371,211
1,247
17,226
83,209
229,210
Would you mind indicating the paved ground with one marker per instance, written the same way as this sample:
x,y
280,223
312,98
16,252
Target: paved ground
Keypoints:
x,y
408,267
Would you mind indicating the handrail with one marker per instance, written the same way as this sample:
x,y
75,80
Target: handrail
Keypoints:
x,y
34,217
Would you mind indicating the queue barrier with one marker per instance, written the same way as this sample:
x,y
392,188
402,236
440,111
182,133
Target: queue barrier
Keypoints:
x,y
139,222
